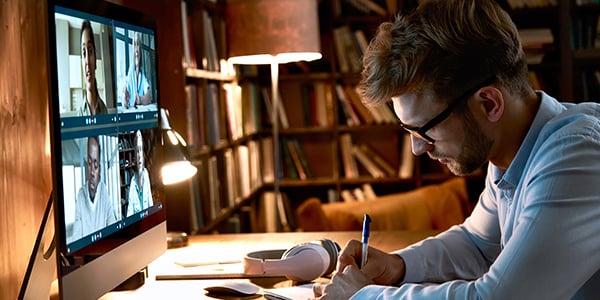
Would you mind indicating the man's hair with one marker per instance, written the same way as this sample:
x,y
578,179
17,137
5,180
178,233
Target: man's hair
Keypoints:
x,y
95,137
446,46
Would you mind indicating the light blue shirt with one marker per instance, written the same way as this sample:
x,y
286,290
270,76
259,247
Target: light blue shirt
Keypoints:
x,y
137,84
535,232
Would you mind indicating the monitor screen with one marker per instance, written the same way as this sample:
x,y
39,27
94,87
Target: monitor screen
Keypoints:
x,y
104,114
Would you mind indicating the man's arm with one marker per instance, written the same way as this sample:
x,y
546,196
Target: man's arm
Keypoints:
x,y
550,244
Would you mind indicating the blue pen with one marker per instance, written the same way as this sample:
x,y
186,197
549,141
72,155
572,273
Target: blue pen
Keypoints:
x,y
366,231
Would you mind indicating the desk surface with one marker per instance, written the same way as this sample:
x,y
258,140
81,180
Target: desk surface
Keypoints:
x,y
219,247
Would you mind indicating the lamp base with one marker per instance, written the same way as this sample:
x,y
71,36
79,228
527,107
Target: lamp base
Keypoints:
x,y
176,239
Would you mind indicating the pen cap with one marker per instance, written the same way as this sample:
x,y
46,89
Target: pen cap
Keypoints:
x,y
366,231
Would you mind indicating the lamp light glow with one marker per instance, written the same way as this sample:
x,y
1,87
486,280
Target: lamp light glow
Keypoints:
x,y
177,166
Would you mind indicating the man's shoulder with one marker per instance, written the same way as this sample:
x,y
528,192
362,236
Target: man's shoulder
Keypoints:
x,y
581,118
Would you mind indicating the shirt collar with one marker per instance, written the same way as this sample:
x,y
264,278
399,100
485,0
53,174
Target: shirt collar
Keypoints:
x,y
549,108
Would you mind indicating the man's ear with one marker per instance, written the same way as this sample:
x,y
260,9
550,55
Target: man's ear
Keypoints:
x,y
491,103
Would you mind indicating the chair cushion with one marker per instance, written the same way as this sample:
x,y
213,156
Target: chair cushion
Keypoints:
x,y
436,206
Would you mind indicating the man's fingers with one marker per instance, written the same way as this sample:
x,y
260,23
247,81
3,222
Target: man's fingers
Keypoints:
x,y
318,289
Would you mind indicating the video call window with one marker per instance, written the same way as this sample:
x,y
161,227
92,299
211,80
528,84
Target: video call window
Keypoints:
x,y
108,113
135,69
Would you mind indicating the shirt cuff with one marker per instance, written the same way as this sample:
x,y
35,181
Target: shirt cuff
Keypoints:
x,y
414,265
369,292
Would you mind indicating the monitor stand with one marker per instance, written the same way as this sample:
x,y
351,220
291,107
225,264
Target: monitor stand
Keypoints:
x,y
42,262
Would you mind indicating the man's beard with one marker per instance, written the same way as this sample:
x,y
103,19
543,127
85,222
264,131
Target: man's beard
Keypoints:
x,y
475,148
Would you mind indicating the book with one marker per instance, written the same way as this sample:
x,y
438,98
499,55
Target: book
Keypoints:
x,y
368,191
373,6
308,104
407,163
380,161
233,102
243,164
285,213
254,163
250,108
267,216
289,167
267,166
361,41
392,6
323,104
214,187
348,160
345,45
213,114
283,120
231,183
198,196
274,213
210,44
367,163
364,113
185,26
350,115
193,121
298,158
339,47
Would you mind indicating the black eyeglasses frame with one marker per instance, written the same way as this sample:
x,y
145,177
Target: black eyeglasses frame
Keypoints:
x,y
421,132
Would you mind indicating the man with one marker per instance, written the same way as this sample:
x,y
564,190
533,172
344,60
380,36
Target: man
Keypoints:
x,y
137,90
456,73
93,208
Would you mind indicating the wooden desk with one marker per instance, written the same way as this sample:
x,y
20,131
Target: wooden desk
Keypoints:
x,y
226,246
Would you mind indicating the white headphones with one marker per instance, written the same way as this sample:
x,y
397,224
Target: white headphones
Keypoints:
x,y
303,262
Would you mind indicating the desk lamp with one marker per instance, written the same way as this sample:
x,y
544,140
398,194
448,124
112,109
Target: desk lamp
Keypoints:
x,y
176,167
273,32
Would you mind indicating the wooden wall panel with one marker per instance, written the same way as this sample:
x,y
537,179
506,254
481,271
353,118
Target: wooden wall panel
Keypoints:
x,y
25,181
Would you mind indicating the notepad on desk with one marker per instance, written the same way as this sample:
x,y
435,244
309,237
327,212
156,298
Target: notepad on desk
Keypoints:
x,y
304,291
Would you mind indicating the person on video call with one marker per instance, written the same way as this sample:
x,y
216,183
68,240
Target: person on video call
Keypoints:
x,y
93,208
456,74
93,104
140,195
137,89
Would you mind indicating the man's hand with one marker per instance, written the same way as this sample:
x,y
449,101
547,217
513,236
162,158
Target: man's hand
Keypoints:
x,y
381,268
342,285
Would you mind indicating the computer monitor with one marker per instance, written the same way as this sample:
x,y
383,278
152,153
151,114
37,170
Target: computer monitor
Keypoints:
x,y
104,113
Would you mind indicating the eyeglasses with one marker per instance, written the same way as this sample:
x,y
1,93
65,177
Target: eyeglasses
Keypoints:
x,y
421,132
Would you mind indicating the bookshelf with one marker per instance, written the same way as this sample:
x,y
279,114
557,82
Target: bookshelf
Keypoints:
x,y
225,114
570,63
322,111
228,127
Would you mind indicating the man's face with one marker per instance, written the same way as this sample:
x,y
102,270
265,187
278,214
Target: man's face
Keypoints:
x,y
93,166
459,144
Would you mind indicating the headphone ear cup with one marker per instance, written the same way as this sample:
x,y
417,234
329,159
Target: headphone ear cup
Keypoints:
x,y
326,251
310,261
333,249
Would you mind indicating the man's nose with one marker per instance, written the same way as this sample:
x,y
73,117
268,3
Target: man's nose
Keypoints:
x,y
419,146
